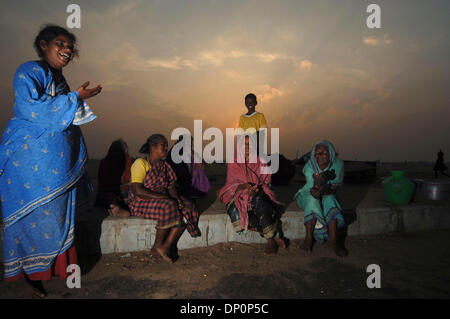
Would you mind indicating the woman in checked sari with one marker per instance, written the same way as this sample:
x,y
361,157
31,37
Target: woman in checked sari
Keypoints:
x,y
153,195
42,164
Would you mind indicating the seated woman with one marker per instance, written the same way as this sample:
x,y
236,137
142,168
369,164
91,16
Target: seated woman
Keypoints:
x,y
114,174
192,181
153,196
251,203
323,214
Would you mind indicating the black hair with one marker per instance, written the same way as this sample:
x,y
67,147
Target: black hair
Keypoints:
x,y
47,33
250,96
117,153
118,147
151,141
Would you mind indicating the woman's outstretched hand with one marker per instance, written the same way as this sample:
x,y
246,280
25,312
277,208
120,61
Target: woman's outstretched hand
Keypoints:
x,y
85,93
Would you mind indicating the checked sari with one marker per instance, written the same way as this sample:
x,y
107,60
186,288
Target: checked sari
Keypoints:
x,y
160,177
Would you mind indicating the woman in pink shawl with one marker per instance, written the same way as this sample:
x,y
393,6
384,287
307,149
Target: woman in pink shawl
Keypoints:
x,y
251,203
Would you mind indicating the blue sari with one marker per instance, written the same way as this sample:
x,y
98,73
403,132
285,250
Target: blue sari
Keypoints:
x,y
42,170
326,209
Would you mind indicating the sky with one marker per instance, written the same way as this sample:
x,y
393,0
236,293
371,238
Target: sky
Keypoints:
x,y
318,71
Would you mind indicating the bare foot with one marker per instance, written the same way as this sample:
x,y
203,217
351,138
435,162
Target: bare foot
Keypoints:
x,y
271,248
35,289
281,242
174,253
164,255
341,251
155,253
115,210
307,245
338,249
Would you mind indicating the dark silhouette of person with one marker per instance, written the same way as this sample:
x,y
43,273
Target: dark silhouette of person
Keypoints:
x,y
440,166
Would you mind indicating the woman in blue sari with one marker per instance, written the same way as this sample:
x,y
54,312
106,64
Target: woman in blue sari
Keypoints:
x,y
324,172
42,164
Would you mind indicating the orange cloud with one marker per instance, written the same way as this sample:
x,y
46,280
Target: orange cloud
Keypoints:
x,y
269,92
305,65
375,41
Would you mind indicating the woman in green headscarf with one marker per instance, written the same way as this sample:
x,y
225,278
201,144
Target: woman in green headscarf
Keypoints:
x,y
323,214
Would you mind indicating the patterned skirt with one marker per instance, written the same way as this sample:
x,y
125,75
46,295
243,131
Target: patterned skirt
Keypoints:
x,y
166,213
262,217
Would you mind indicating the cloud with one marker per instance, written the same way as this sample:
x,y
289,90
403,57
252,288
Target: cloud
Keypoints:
x,y
215,58
268,93
129,57
305,65
117,10
267,57
372,40
174,63
220,57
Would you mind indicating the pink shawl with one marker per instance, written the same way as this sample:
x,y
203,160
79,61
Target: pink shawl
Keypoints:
x,y
241,173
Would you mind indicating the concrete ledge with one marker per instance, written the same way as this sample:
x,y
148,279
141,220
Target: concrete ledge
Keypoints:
x,y
134,233
372,216
376,216
98,233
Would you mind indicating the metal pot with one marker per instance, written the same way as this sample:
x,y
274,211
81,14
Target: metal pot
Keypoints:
x,y
432,190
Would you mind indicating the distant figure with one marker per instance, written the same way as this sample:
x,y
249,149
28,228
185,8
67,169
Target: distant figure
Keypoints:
x,y
439,166
192,181
323,214
114,177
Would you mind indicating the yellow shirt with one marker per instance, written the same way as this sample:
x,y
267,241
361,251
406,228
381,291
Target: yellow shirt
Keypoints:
x,y
139,170
255,120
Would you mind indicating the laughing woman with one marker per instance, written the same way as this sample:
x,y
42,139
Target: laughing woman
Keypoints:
x,y
42,164
153,195
324,172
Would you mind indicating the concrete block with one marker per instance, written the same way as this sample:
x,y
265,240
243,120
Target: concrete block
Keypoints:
x,y
108,235
444,218
217,223
134,234
292,224
354,229
247,237
186,241
377,220
418,218
372,216
126,234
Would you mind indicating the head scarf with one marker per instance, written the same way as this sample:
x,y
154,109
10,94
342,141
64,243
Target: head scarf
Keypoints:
x,y
331,151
